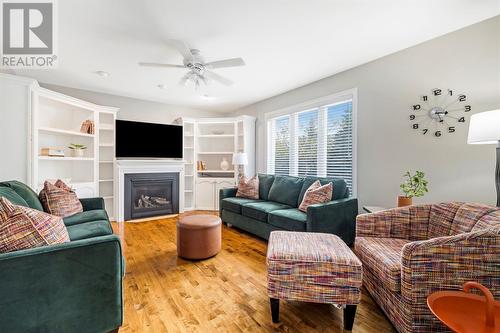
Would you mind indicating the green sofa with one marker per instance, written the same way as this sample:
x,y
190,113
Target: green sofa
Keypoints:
x,y
70,287
276,208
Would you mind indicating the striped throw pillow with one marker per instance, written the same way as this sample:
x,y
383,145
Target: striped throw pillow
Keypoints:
x,y
316,194
59,199
248,188
24,228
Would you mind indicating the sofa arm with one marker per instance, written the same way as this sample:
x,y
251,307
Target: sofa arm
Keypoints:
x,y
335,217
446,263
70,287
92,203
228,192
395,223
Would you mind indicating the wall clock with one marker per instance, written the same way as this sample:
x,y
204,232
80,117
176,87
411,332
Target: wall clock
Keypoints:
x,y
439,112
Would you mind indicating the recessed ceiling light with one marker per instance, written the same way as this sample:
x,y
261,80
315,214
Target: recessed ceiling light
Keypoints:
x,y
102,73
207,97
162,86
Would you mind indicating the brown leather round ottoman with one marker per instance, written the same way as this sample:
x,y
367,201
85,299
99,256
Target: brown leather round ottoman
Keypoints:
x,y
198,236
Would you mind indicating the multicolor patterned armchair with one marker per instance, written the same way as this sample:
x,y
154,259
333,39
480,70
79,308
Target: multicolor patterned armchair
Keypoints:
x,y
410,252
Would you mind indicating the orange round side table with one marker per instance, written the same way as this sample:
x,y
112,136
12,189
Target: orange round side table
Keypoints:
x,y
464,312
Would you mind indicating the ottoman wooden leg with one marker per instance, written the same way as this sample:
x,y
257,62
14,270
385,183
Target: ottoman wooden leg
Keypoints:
x,y
275,309
349,313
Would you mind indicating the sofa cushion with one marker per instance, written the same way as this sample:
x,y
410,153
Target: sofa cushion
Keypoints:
x,y
382,256
89,230
265,183
233,204
25,192
316,194
25,228
12,196
288,219
286,189
58,199
441,218
488,221
87,216
340,189
248,188
467,216
259,210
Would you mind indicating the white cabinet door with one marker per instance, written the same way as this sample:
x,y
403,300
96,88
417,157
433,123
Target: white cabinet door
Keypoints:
x,y
205,194
220,184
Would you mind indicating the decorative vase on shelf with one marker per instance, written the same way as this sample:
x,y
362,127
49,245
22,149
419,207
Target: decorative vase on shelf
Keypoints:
x,y
78,152
404,201
224,165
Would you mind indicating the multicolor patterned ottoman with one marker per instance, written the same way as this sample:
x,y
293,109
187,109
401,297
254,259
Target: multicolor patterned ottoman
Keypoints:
x,y
313,267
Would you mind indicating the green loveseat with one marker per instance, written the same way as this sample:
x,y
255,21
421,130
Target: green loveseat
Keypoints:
x,y
276,208
70,287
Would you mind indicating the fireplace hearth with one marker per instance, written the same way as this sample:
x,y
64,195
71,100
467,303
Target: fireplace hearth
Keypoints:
x,y
151,194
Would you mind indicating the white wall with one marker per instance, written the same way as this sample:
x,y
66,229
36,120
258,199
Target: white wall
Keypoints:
x,y
131,108
467,61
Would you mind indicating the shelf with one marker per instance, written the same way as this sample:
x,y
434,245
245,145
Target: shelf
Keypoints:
x,y
109,197
65,158
105,162
106,145
105,180
216,136
215,153
106,127
188,147
188,191
217,171
188,175
66,132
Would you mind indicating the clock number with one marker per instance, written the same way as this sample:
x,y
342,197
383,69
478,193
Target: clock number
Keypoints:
x,y
437,92
467,108
461,120
462,98
450,92
451,129
438,133
425,130
424,98
415,126
412,117
416,107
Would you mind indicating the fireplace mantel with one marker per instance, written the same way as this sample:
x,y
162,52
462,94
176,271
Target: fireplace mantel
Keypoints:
x,y
124,167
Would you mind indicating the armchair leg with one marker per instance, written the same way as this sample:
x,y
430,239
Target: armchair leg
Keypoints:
x,y
349,313
275,309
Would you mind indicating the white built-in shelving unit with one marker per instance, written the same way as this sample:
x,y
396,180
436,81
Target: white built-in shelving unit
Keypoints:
x,y
56,121
211,140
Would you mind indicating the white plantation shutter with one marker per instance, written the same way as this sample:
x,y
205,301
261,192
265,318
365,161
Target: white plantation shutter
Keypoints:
x,y
313,142
339,162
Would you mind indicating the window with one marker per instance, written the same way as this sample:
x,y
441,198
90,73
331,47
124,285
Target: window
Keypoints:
x,y
314,141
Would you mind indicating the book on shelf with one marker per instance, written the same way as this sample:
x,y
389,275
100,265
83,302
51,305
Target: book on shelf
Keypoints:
x,y
88,127
201,165
50,151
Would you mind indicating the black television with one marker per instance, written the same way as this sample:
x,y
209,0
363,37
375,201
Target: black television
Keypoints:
x,y
147,140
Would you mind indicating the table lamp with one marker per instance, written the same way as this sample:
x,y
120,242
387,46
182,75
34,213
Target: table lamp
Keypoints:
x,y
484,128
240,159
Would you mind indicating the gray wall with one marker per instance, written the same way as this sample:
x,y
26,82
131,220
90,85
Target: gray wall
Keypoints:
x,y
467,61
131,108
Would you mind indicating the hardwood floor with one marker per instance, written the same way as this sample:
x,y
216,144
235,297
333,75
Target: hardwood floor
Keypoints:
x,y
226,293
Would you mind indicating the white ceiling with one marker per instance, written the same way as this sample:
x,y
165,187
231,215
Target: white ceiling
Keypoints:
x,y
285,43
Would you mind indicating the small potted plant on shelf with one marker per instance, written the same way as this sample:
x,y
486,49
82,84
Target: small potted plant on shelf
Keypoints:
x,y
77,149
413,186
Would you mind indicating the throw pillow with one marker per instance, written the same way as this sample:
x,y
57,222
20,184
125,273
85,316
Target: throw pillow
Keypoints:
x,y
316,194
248,188
23,228
59,199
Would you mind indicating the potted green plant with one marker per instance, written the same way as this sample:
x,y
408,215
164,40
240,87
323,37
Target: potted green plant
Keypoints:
x,y
77,149
413,186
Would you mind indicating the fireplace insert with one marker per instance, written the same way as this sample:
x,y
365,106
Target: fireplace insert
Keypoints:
x,y
151,194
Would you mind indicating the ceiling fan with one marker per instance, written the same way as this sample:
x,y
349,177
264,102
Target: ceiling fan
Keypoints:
x,y
199,70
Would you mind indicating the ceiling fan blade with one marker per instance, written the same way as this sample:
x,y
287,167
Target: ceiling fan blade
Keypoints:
x,y
183,80
218,78
233,62
182,47
152,64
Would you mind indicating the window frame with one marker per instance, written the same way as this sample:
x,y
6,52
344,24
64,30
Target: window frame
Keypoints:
x,y
349,94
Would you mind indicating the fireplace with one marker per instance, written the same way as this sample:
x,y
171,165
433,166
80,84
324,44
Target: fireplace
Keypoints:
x,y
151,194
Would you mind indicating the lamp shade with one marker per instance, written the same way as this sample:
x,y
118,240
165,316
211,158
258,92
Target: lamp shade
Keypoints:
x,y
484,128
240,159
